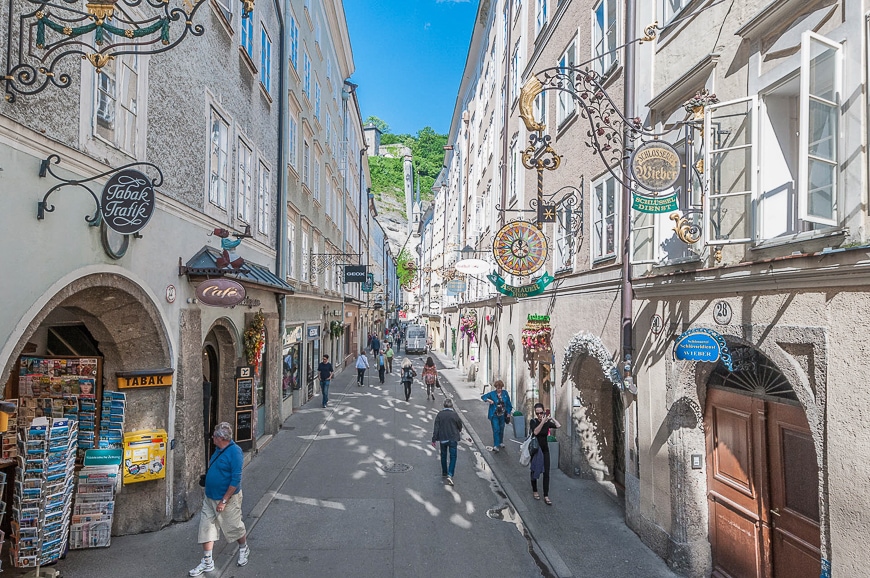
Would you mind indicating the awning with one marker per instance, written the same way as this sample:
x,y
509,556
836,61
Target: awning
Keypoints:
x,y
203,265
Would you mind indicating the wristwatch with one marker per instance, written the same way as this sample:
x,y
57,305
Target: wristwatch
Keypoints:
x,y
224,502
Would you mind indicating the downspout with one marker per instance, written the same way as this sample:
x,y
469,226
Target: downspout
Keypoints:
x,y
505,161
284,161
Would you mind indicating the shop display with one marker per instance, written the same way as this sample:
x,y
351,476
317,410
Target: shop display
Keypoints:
x,y
112,417
43,491
94,507
537,339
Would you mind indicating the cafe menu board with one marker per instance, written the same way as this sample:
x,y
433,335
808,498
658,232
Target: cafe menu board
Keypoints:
x,y
244,425
244,391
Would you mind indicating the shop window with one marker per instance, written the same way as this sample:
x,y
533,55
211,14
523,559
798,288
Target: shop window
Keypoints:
x,y
604,218
219,170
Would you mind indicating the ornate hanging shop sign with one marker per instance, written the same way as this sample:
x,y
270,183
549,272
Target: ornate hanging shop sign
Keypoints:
x,y
127,202
645,204
455,286
354,273
369,285
655,165
519,292
702,345
520,248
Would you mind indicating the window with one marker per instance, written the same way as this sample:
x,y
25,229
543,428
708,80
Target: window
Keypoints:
x,y
515,168
306,162
218,164
789,141
248,35
540,108
317,29
566,106
316,99
226,9
564,256
306,258
604,203
306,74
605,36
264,194
116,103
328,67
540,15
294,43
265,59
292,137
515,71
291,247
316,176
246,177
671,8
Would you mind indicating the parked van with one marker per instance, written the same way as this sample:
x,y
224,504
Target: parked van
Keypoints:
x,y
415,339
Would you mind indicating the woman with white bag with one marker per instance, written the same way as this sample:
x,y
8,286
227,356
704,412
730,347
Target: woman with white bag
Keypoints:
x,y
539,429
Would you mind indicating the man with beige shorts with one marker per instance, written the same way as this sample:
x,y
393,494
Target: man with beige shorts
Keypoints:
x,y
222,503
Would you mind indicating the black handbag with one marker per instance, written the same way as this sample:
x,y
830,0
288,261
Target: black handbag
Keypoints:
x,y
507,418
534,445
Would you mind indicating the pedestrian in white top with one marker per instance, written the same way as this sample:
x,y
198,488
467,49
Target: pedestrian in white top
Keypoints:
x,y
362,364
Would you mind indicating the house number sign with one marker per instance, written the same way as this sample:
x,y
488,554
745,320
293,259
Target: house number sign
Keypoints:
x,y
722,313
127,202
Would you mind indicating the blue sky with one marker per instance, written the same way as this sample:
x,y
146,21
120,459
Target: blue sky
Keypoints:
x,y
409,57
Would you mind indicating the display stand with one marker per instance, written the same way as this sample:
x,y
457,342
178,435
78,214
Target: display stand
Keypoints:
x,y
94,506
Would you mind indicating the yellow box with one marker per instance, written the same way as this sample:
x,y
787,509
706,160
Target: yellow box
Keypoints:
x,y
144,456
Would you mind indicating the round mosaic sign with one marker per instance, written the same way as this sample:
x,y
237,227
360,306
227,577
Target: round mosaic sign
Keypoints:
x,y
520,248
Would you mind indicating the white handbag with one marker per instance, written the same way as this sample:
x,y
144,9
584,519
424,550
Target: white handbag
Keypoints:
x,y
525,455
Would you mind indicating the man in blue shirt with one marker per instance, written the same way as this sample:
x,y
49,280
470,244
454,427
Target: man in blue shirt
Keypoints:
x,y
326,372
222,503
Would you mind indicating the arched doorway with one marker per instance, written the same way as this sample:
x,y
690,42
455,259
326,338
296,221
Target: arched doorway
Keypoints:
x,y
210,389
762,473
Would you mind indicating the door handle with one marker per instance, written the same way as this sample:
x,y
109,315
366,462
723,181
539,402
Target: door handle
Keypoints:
x,y
775,512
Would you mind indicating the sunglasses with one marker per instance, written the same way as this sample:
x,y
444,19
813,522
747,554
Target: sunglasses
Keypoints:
x,y
539,413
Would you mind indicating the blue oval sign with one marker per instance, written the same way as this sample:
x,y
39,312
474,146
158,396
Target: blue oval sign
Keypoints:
x,y
702,345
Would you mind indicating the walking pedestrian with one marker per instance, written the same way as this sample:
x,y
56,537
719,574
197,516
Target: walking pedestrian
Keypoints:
x,y
447,429
376,344
382,365
326,372
362,363
389,356
499,406
430,377
408,375
540,427
222,503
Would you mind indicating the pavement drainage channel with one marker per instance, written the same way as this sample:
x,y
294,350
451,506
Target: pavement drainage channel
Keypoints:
x,y
505,512
396,468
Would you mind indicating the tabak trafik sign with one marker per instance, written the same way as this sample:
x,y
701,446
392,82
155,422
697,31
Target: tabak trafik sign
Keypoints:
x,y
127,202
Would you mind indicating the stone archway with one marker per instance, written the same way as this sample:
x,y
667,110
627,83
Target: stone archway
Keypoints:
x,y
596,440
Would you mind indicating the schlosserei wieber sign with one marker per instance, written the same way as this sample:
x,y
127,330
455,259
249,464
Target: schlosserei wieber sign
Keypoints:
x,y
656,165
127,202
702,344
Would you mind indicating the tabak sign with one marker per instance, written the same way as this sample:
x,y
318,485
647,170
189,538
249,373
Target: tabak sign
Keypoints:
x,y
127,202
220,292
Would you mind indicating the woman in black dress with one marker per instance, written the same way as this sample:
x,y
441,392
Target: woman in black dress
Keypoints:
x,y
540,427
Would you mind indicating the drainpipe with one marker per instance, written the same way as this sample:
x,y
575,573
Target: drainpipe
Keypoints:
x,y
284,161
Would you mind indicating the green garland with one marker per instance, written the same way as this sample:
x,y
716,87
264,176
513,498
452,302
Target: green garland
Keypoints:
x,y
162,25
255,339
406,268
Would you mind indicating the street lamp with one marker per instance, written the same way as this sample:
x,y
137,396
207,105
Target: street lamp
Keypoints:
x,y
469,264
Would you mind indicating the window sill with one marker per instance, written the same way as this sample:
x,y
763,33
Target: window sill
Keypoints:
x,y
225,23
249,62
800,238
265,92
604,260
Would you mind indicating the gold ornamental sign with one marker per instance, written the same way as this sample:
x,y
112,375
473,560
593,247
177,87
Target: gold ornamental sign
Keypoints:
x,y
656,165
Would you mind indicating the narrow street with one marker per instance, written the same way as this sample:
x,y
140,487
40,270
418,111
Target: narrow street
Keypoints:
x,y
355,490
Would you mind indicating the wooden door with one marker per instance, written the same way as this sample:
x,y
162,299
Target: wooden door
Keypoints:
x,y
794,494
762,478
735,484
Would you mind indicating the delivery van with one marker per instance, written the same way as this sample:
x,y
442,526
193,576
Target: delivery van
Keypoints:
x,y
415,339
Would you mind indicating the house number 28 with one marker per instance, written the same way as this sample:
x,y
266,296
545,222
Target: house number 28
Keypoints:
x,y
722,313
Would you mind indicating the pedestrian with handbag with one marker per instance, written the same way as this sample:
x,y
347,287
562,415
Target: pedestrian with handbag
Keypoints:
x,y
499,407
430,377
408,375
362,364
539,429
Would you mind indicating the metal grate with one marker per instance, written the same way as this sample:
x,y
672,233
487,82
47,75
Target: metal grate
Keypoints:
x,y
754,374
396,468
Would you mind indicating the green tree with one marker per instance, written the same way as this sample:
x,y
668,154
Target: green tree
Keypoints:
x,y
381,125
427,150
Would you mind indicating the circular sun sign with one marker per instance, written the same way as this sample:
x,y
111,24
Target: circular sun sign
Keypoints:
x,y
656,165
520,248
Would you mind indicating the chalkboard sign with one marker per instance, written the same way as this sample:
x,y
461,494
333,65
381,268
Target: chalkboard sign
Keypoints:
x,y
244,392
244,425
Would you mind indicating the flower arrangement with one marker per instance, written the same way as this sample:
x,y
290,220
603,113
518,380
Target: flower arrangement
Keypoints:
x,y
336,329
468,325
255,340
697,103
537,335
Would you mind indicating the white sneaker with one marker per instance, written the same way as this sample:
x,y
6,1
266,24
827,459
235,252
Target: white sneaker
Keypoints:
x,y
449,480
244,552
205,565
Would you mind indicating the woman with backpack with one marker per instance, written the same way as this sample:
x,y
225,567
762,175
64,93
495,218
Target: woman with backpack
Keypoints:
x,y
382,365
499,407
430,377
408,375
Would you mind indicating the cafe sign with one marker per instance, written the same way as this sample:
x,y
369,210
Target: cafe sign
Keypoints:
x,y
221,292
127,202
702,345
145,378
655,165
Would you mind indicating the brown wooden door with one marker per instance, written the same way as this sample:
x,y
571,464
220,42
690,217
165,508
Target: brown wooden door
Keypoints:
x,y
735,484
762,478
794,494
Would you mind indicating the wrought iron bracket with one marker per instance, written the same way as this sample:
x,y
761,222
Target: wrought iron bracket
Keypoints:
x,y
45,169
320,262
41,34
